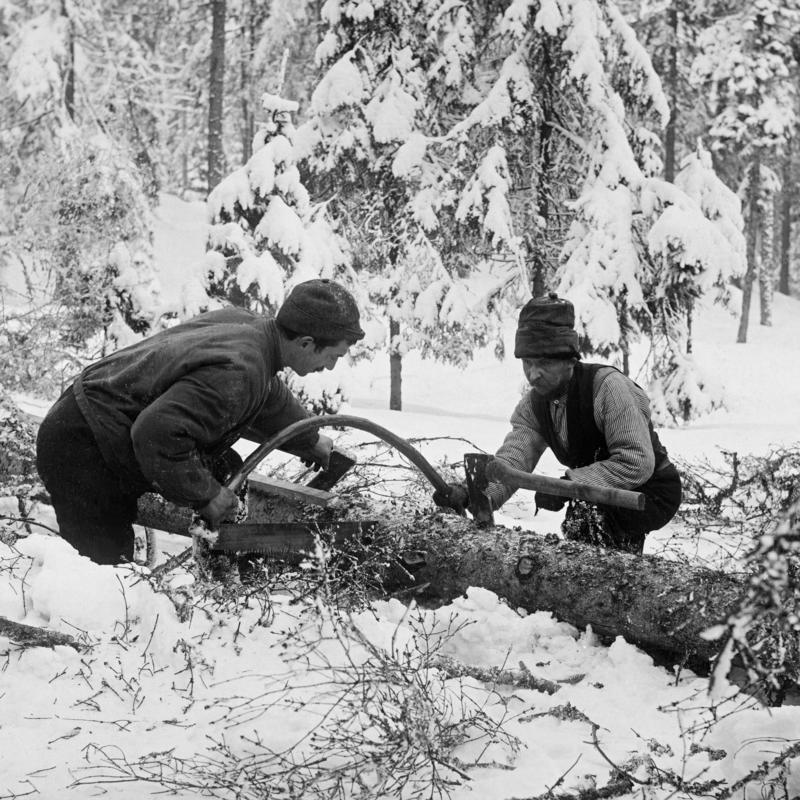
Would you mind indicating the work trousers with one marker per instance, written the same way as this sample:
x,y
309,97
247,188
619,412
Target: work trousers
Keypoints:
x,y
623,528
94,506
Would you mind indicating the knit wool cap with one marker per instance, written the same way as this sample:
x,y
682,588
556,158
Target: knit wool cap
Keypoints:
x,y
546,329
323,309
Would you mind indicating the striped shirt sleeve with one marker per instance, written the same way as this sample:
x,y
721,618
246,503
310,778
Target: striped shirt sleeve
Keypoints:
x,y
522,448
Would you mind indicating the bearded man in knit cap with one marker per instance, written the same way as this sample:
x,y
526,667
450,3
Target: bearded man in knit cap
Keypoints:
x,y
597,423
162,414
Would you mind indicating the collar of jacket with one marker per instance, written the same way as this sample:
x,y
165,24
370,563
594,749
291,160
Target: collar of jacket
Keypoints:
x,y
274,343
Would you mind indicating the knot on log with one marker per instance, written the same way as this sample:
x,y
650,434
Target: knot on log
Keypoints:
x,y
526,566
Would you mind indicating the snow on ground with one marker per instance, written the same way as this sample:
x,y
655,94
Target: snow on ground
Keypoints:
x,y
219,689
193,698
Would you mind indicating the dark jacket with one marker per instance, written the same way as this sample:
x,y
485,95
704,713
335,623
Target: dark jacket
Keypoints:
x,y
162,408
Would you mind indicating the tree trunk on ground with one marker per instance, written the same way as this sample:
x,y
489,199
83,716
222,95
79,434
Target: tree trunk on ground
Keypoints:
x,y
395,368
753,230
661,606
216,88
787,195
766,271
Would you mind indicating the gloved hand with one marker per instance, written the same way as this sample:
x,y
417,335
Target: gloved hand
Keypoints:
x,y
457,497
225,464
549,502
224,504
320,454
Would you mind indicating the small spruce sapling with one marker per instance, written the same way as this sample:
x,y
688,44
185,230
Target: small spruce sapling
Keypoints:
x,y
266,236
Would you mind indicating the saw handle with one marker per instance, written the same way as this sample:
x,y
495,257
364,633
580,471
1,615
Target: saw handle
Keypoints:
x,y
330,420
500,472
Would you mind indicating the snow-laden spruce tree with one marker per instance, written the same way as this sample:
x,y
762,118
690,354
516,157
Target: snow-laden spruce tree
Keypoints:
x,y
688,269
747,64
565,136
79,224
396,74
669,31
537,149
265,236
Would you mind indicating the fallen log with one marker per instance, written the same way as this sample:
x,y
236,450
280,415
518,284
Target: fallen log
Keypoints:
x,y
661,606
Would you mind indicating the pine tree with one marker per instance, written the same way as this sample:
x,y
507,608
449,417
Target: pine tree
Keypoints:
x,y
669,31
80,222
574,78
543,158
687,271
395,77
265,235
745,63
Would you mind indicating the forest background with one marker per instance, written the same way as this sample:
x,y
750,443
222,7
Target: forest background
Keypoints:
x,y
445,159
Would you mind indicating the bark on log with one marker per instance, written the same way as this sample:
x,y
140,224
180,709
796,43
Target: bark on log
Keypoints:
x,y
661,606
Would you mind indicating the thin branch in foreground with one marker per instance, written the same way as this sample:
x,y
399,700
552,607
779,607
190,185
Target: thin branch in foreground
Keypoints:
x,y
29,521
521,679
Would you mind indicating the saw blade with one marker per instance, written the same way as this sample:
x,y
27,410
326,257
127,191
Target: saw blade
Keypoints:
x,y
288,537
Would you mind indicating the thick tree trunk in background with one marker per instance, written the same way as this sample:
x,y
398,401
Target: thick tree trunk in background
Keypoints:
x,y
624,338
540,243
184,153
216,88
395,368
69,76
766,271
787,196
672,93
661,606
753,231
248,39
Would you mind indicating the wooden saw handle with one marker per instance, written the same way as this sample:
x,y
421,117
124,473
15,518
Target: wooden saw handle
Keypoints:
x,y
501,472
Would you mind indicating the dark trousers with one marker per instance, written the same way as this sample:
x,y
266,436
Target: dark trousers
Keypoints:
x,y
622,528
662,497
94,509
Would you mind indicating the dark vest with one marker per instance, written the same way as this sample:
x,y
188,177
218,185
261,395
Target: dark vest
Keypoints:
x,y
585,443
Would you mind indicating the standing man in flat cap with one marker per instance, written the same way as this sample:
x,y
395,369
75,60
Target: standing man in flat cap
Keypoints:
x,y
156,416
597,423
